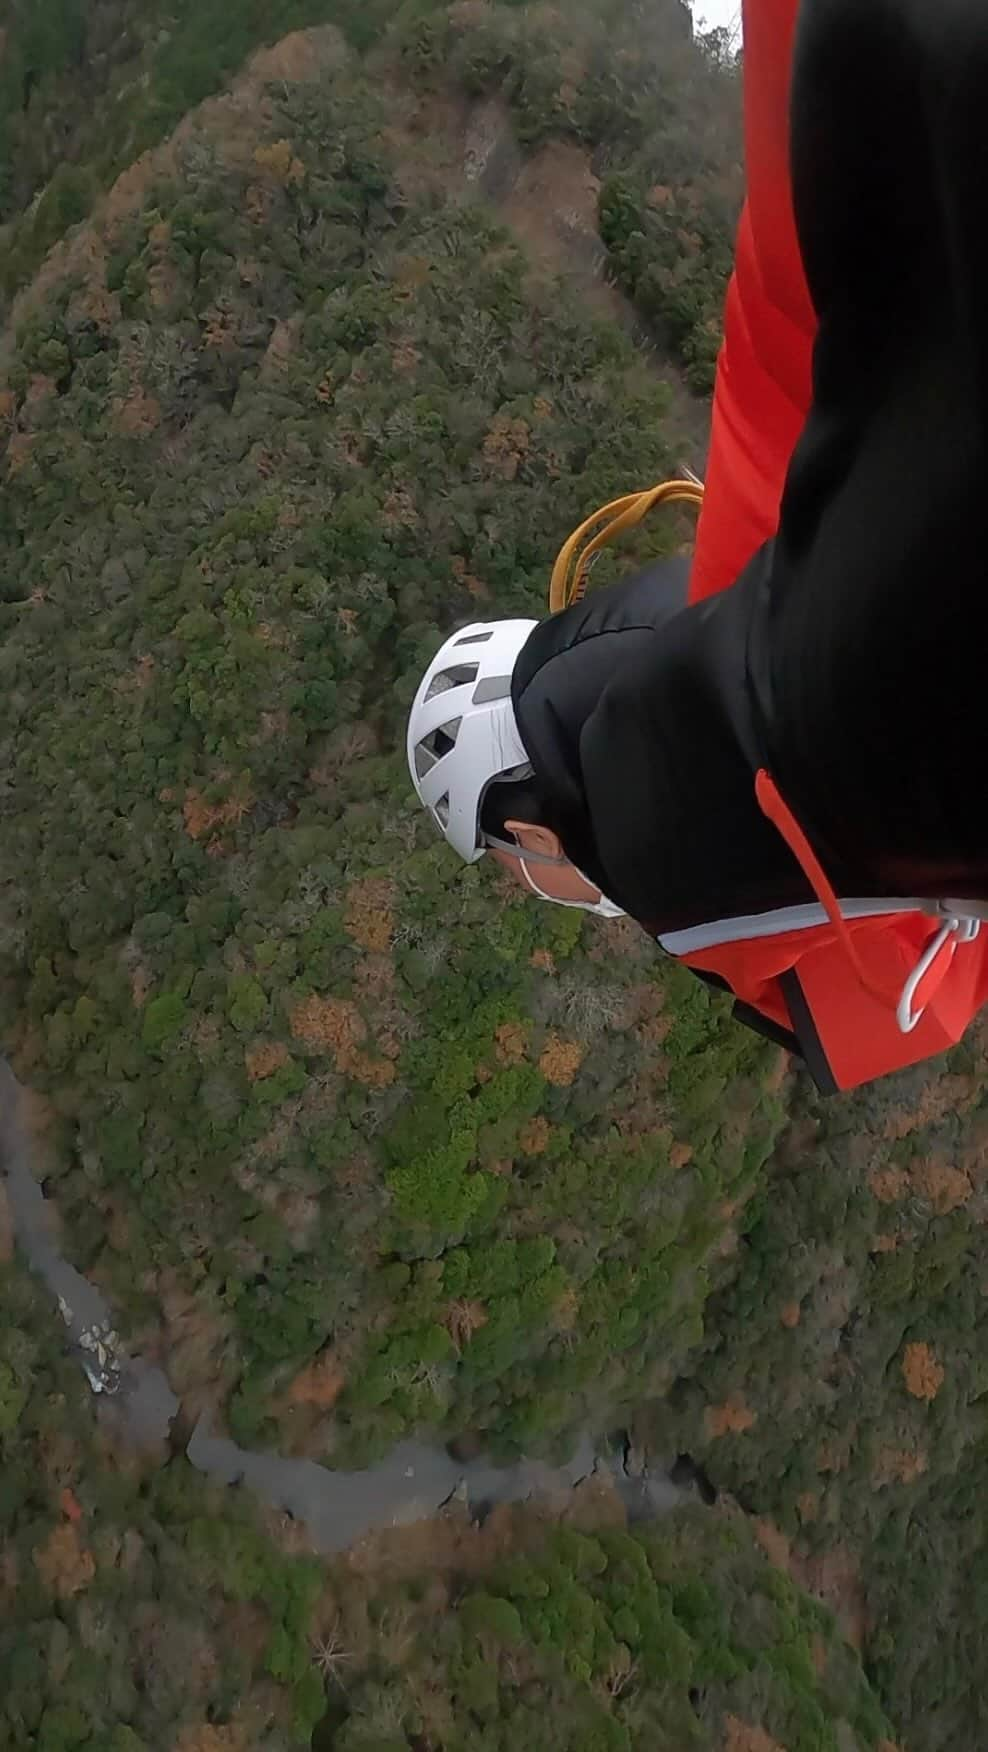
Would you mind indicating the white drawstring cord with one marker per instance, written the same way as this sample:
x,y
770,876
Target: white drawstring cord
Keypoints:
x,y
957,925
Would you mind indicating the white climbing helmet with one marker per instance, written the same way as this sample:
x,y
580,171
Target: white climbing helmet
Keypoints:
x,y
462,733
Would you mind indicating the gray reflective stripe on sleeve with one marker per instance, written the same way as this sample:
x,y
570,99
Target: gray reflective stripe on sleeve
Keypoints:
x,y
771,924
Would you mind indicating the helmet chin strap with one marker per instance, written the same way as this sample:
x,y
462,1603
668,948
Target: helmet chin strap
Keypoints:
x,y
604,908
514,850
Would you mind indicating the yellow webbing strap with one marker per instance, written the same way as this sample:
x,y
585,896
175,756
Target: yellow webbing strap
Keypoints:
x,y
570,573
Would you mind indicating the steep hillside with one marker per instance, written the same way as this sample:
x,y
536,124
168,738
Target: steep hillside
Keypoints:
x,y
358,1142
841,1390
86,88
84,91
280,414
675,1638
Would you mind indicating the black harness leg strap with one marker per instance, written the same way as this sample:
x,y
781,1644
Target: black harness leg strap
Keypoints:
x,y
809,1045
766,1027
802,1040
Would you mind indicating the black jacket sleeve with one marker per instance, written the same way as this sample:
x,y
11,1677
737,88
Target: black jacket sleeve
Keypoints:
x,y
849,656
567,667
870,610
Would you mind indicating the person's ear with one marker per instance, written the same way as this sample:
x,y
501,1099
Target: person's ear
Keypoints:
x,y
536,839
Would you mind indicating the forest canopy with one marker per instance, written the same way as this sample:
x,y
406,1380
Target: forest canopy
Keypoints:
x,y
145,1611
281,419
356,1142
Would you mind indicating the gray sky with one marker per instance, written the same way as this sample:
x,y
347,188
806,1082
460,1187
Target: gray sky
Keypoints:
x,y
710,14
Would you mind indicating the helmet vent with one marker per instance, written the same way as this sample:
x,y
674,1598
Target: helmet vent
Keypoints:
x,y
458,675
439,742
475,638
441,812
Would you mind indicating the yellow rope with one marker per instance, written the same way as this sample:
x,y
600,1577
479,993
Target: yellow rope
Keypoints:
x,y
570,574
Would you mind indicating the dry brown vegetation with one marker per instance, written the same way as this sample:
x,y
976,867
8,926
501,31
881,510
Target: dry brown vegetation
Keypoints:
x,y
921,1371
264,1059
335,1025
506,446
733,1418
776,1545
462,1319
740,1736
535,1136
207,1738
368,913
946,1188
63,1563
560,1060
201,817
511,1042
888,1184
279,162
320,1384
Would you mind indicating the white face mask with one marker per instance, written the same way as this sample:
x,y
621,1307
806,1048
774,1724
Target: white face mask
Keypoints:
x,y
604,908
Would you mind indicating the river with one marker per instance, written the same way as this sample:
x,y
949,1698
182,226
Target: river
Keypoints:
x,y
337,1508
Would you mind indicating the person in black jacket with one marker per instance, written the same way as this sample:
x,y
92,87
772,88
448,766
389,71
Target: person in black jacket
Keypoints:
x,y
845,659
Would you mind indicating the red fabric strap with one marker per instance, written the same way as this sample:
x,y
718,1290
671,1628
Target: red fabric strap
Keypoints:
x,y
776,810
